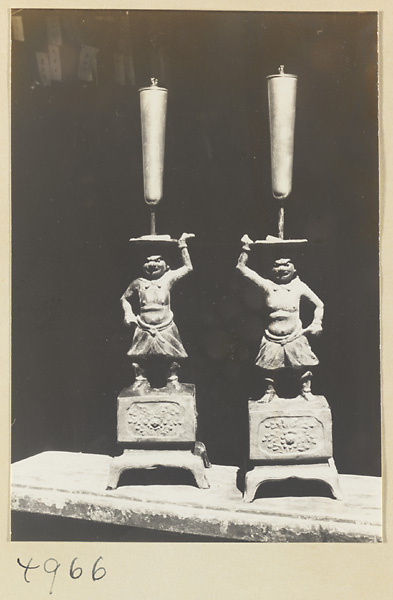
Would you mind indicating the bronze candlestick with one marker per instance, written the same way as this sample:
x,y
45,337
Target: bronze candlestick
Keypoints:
x,y
156,424
288,436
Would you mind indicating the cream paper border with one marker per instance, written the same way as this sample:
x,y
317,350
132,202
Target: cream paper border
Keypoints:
x,y
163,571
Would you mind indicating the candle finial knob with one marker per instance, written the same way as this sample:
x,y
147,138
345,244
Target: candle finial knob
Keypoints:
x,y
281,69
154,80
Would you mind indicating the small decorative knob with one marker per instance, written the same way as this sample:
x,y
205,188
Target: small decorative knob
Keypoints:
x,y
280,70
154,80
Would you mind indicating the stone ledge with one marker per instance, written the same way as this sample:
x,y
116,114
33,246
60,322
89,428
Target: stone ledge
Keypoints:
x,y
73,485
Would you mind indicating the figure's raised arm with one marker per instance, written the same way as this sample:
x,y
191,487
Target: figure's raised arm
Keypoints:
x,y
129,315
315,328
246,271
187,264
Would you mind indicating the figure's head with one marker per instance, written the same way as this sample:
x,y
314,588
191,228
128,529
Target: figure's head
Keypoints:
x,y
155,267
283,270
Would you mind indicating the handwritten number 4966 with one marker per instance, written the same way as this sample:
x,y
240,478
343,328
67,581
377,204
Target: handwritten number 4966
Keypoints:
x,y
51,566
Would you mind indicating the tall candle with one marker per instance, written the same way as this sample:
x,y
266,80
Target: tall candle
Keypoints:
x,y
282,110
153,102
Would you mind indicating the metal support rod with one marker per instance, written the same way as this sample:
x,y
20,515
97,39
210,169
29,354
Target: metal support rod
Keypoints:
x,y
281,223
152,222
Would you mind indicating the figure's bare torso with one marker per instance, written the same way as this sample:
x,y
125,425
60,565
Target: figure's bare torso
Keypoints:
x,y
282,297
154,300
283,307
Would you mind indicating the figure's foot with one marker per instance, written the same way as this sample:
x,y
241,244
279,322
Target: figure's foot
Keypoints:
x,y
270,392
141,384
307,396
172,376
172,372
140,373
305,391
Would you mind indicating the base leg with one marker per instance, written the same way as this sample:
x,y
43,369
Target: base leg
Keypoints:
x,y
333,480
116,469
200,450
200,477
250,488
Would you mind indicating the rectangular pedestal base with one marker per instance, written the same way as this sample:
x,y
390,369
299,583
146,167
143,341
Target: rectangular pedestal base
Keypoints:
x,y
148,459
158,416
290,430
325,472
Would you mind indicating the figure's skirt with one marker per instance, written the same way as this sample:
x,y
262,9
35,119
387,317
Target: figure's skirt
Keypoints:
x,y
296,354
162,342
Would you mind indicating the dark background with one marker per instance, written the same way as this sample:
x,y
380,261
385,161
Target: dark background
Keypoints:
x,y
77,194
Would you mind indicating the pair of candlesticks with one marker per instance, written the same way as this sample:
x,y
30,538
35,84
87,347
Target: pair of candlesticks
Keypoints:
x,y
287,436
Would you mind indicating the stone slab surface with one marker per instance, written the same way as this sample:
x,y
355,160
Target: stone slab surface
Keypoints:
x,y
73,485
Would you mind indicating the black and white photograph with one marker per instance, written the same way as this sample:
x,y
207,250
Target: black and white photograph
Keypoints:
x,y
195,276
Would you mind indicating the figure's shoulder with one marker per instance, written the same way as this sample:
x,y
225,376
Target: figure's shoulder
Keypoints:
x,y
297,284
169,276
303,287
138,282
296,281
258,279
133,286
165,279
266,283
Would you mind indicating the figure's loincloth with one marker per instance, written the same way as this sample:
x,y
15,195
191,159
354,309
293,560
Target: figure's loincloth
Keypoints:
x,y
161,340
275,353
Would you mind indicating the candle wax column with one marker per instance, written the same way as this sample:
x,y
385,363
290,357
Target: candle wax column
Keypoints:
x,y
153,102
282,110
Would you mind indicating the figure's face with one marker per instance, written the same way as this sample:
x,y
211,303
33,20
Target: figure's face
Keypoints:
x,y
155,267
283,270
